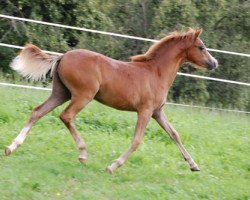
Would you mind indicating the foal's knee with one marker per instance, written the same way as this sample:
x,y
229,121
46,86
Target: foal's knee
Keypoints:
x,y
135,145
65,119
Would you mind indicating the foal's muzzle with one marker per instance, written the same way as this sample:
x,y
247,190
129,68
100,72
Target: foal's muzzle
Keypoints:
x,y
212,64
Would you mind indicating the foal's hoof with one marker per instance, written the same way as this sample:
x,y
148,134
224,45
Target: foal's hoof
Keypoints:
x,y
7,151
195,168
109,170
82,160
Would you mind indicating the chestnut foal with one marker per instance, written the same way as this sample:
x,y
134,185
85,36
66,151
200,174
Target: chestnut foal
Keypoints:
x,y
140,85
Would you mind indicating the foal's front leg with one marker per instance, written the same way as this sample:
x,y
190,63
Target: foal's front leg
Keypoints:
x,y
160,117
143,119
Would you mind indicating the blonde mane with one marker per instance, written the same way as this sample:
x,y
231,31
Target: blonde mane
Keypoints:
x,y
176,35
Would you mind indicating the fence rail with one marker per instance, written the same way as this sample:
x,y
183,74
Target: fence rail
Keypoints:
x,y
108,33
179,73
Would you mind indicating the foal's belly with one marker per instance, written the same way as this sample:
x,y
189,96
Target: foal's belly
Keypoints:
x,y
118,101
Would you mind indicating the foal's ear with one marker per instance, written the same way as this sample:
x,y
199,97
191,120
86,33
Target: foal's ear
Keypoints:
x,y
197,33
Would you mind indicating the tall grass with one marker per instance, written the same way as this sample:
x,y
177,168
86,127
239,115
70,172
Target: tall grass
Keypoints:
x,y
46,165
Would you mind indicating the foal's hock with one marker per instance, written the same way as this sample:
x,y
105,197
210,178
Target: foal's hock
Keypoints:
x,y
140,85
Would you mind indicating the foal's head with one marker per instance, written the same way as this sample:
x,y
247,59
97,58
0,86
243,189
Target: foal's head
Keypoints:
x,y
190,47
196,52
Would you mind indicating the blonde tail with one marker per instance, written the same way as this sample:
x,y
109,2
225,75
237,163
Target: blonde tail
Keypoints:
x,y
33,64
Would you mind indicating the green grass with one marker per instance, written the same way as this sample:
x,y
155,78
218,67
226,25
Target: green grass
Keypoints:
x,y
46,165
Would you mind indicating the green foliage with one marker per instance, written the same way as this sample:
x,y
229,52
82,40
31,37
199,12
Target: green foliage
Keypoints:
x,y
226,26
174,15
46,165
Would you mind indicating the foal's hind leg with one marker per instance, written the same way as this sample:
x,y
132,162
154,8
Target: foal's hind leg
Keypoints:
x,y
78,102
37,113
165,124
60,94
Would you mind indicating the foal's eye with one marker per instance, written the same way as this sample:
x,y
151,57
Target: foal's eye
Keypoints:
x,y
201,48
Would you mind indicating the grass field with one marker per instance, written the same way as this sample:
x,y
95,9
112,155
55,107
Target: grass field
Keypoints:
x,y
46,165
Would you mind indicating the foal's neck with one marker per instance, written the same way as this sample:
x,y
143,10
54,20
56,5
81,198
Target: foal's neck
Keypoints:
x,y
168,61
